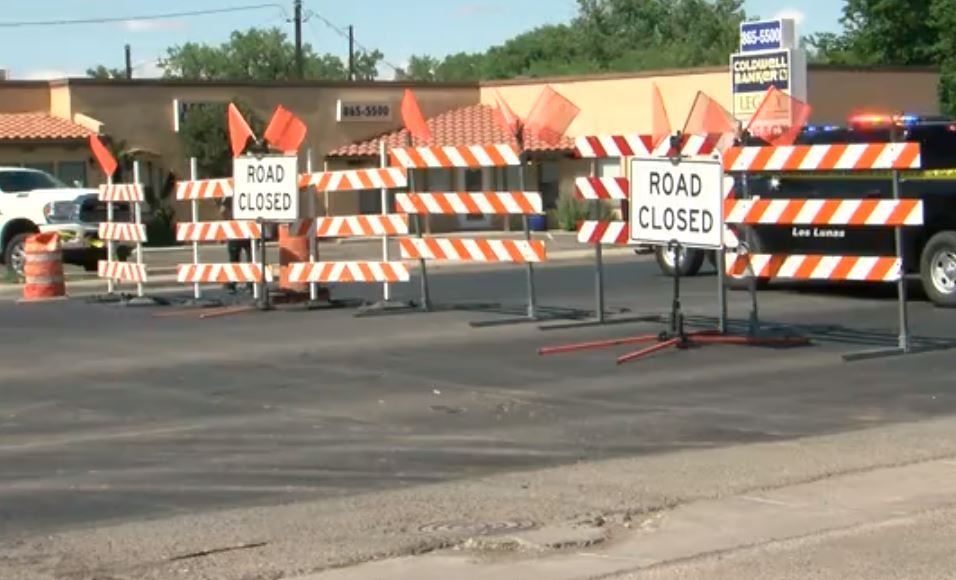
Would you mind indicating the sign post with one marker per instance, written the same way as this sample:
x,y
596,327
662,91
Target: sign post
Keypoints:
x,y
266,191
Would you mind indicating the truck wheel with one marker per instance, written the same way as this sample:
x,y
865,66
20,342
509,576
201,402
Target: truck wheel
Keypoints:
x,y
14,255
938,269
691,261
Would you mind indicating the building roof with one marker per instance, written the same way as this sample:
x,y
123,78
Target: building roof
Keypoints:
x,y
39,127
472,125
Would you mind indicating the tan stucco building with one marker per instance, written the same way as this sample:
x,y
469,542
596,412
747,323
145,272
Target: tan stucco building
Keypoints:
x,y
144,114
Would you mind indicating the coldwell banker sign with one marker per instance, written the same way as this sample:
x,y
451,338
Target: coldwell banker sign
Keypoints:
x,y
767,58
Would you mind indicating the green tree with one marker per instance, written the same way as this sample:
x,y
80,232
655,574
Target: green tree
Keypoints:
x,y
205,135
259,54
420,68
102,72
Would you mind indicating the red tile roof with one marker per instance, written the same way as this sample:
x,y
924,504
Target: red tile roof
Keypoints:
x,y
472,125
39,126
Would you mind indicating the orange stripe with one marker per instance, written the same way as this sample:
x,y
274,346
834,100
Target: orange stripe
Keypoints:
x,y
796,158
366,271
513,251
843,268
755,214
524,201
832,157
863,211
470,159
497,203
416,158
390,272
419,202
773,267
870,154
539,250
497,158
731,156
762,159
907,157
826,212
806,268
445,204
468,199
486,250
881,269
443,159
325,272
791,211
460,249
363,178
408,248
901,212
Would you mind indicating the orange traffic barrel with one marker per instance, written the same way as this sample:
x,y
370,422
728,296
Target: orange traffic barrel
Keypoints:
x,y
43,268
292,248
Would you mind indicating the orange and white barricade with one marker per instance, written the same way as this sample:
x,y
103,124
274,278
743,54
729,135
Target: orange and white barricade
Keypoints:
x,y
384,226
895,213
598,190
198,232
113,270
503,203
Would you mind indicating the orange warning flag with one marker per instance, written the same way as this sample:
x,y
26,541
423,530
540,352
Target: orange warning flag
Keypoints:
x,y
285,132
506,116
413,119
660,121
103,156
239,131
708,117
779,118
551,116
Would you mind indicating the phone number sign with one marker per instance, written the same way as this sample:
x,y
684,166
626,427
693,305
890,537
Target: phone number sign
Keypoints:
x,y
358,111
767,35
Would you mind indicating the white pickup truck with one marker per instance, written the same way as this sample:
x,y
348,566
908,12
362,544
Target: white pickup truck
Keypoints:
x,y
33,201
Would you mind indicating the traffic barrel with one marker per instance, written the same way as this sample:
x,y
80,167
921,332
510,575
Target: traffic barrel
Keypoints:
x,y
293,247
43,268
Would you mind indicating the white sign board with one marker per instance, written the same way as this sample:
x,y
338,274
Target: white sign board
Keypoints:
x,y
266,188
682,202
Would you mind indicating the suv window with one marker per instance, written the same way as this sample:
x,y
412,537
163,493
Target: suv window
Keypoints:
x,y
22,181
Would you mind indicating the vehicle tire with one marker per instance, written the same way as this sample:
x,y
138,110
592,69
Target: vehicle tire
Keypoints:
x,y
938,269
690,263
14,254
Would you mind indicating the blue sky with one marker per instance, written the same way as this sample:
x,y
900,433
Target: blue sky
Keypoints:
x,y
397,27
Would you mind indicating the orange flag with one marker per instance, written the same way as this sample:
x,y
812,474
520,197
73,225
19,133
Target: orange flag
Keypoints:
x,y
551,116
708,117
103,156
285,132
506,116
413,119
660,121
779,118
239,131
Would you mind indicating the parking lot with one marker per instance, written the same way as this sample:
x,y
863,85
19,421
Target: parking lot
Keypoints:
x,y
112,415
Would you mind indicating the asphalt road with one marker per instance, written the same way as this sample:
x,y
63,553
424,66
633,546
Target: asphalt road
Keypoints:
x,y
111,415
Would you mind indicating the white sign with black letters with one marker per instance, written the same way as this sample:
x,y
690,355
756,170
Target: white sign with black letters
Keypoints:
x,y
677,202
266,188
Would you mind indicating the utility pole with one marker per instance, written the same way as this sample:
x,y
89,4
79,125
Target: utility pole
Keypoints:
x,y
351,52
129,62
299,68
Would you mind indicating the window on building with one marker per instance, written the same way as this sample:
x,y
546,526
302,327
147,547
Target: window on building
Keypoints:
x,y
370,201
72,172
549,183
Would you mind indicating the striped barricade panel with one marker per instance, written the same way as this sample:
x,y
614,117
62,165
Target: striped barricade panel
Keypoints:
x,y
598,147
360,226
798,267
318,272
470,156
122,232
218,231
836,157
471,250
221,273
129,192
204,189
487,203
605,233
355,179
824,212
122,271
591,188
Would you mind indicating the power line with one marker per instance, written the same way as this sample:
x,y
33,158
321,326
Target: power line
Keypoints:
x,y
112,19
344,33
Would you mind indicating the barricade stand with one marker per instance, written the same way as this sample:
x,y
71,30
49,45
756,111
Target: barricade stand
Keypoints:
x,y
356,226
896,213
503,203
676,336
597,190
112,269
197,232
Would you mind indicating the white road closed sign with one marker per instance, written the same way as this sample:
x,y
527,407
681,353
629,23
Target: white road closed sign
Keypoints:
x,y
266,188
682,202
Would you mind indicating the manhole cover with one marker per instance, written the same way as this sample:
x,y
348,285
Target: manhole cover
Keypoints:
x,y
478,527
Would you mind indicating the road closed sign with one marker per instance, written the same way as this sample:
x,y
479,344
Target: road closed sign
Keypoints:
x,y
266,188
682,202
